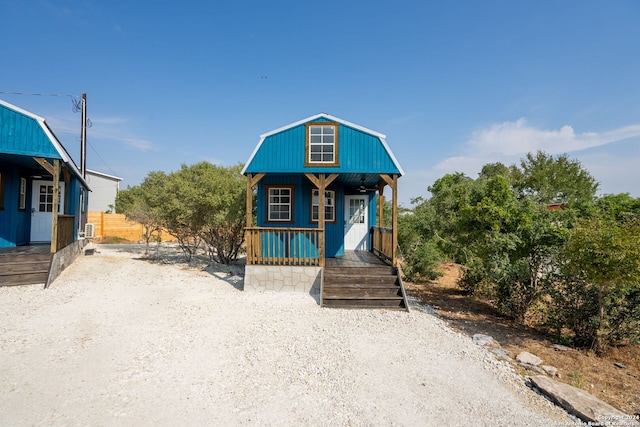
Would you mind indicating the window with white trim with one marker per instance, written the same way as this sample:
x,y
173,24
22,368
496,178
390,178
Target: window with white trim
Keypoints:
x,y
322,144
280,204
22,195
329,205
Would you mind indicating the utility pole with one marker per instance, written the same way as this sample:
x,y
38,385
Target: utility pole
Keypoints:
x,y
83,137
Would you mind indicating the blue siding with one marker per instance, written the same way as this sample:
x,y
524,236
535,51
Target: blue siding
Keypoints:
x,y
23,135
358,152
334,242
14,223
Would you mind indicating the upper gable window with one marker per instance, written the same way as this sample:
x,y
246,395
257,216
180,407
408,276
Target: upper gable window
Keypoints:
x,y
322,144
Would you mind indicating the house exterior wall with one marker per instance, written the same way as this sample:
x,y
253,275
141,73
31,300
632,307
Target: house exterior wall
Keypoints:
x,y
23,135
14,223
334,242
358,152
104,190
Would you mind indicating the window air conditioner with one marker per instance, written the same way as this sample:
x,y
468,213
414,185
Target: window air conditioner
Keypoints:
x,y
89,231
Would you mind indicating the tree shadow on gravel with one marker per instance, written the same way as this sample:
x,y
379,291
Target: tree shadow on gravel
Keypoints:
x,y
171,254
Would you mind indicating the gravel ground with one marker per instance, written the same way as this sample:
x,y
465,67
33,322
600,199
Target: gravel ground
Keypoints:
x,y
118,340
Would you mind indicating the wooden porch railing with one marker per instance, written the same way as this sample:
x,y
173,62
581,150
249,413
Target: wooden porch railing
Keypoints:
x,y
65,231
285,246
382,242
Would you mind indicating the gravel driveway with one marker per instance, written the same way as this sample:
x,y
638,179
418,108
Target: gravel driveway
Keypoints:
x,y
118,340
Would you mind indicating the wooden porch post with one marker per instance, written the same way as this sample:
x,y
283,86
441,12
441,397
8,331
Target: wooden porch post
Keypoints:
x,y
381,204
392,181
55,207
395,220
321,182
252,180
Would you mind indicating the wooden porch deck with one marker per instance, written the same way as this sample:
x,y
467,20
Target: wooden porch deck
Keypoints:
x,y
360,279
25,265
43,248
355,259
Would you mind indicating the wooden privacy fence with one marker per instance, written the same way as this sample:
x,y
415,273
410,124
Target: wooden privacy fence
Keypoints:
x,y
117,225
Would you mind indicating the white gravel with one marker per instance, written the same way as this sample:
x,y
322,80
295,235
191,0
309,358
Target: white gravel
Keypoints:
x,y
117,340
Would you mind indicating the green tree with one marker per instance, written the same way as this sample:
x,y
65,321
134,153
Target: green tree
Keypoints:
x,y
618,206
145,204
450,195
602,260
548,179
416,237
206,204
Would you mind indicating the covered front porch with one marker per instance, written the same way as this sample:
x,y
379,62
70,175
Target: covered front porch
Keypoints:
x,y
283,258
279,244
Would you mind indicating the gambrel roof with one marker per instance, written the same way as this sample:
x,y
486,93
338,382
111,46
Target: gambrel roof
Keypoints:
x,y
362,150
23,133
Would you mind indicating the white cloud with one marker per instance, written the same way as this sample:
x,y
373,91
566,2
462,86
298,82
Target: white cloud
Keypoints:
x,y
113,129
518,138
508,142
611,156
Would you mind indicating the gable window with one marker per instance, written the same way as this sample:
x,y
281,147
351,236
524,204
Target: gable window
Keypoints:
x,y
280,204
322,144
329,206
22,194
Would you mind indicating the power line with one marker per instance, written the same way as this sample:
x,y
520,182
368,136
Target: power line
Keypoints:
x,y
36,94
76,103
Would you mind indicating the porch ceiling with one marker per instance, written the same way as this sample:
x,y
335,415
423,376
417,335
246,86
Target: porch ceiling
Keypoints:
x,y
25,162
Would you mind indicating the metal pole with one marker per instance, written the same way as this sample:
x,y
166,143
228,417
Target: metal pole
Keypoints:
x,y
83,137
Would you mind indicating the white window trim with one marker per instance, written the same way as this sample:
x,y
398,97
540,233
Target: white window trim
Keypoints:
x,y
22,194
290,204
333,144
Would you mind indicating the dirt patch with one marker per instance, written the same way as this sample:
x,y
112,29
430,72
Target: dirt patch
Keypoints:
x,y
599,375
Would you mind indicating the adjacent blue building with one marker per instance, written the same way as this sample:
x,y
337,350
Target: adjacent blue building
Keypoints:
x,y
42,192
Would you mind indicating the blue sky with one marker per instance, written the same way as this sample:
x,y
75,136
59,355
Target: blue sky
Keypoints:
x,y
454,85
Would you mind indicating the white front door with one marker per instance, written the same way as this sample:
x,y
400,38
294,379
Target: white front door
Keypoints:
x,y
42,208
356,224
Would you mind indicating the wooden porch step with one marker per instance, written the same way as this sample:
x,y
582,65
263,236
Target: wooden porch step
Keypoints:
x,y
362,292
362,287
395,304
374,270
24,268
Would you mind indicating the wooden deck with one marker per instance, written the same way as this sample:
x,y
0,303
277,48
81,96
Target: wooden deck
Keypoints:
x,y
362,280
25,265
355,259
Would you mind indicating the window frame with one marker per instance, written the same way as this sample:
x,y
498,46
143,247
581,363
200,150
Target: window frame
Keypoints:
x,y
22,194
291,189
311,206
308,144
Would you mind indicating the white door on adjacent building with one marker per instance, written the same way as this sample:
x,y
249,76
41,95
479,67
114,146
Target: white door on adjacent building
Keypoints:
x,y
42,208
356,225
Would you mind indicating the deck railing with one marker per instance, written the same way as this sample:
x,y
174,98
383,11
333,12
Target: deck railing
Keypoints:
x,y
383,242
65,231
285,246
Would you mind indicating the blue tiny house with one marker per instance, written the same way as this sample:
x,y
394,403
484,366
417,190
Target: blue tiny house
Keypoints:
x,y
33,209
291,167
